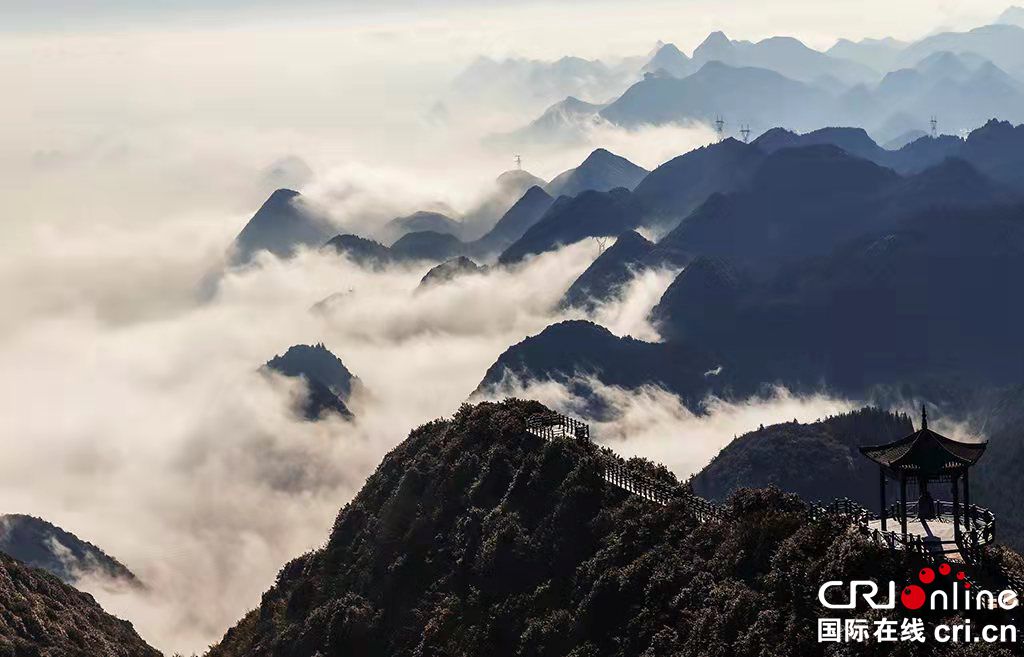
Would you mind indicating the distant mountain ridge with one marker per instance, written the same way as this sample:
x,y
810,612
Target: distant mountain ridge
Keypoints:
x,y
888,86
782,263
41,544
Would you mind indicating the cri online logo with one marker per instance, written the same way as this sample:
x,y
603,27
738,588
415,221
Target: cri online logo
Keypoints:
x,y
914,597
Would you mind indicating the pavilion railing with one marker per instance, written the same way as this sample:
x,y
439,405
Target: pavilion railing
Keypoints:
x,y
843,508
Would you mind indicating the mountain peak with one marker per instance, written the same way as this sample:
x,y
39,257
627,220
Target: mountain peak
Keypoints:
x,y
601,171
716,47
281,226
716,38
329,381
669,59
282,194
1013,15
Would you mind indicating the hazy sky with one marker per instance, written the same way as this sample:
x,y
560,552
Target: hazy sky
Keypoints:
x,y
818,22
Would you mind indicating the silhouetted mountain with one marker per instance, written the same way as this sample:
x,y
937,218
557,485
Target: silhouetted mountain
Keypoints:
x,y
801,202
679,186
854,141
708,283
565,351
766,96
967,88
879,54
449,270
817,461
785,55
564,122
1012,16
997,150
922,301
427,245
361,250
994,149
925,152
472,538
329,381
520,217
41,544
315,362
280,226
569,220
999,44
418,222
508,188
668,58
899,141
601,171
44,617
604,278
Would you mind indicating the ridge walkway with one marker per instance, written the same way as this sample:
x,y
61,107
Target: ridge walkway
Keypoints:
x,y
555,426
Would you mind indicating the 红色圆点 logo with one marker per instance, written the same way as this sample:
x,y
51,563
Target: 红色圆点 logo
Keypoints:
x,y
935,593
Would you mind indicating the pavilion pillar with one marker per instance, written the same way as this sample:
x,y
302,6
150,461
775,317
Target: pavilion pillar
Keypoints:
x,y
881,495
903,505
967,500
956,508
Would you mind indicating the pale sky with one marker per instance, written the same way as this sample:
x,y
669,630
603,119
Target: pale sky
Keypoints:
x,y
193,95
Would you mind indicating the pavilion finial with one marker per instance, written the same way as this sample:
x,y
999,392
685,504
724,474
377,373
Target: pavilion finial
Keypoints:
x,y
924,417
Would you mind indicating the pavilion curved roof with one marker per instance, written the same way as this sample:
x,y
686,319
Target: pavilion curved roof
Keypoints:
x,y
925,452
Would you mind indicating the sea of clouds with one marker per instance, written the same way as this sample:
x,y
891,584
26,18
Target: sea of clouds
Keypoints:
x,y
133,411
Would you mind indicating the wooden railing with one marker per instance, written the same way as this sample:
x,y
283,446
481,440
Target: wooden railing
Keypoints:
x,y
978,524
615,471
550,426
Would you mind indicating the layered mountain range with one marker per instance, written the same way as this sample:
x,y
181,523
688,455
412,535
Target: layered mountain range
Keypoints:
x,y
888,86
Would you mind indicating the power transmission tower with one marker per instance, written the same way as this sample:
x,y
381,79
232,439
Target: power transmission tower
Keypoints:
x,y
935,127
720,127
745,131
601,243
519,161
